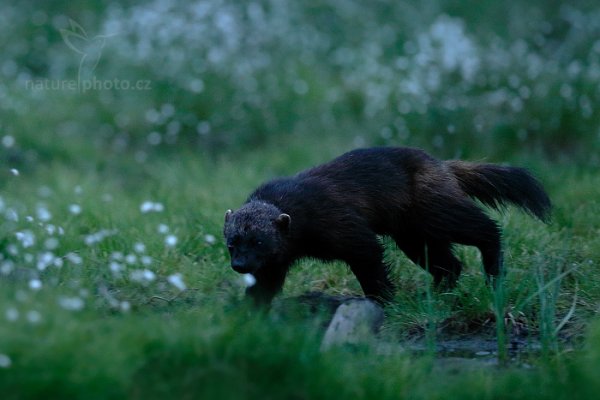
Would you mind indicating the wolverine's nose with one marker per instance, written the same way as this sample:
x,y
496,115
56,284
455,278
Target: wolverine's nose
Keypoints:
x,y
240,266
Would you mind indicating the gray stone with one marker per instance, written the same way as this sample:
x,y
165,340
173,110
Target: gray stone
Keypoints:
x,y
354,322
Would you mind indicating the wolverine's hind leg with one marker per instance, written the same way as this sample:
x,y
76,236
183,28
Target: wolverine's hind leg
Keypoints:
x,y
434,256
465,223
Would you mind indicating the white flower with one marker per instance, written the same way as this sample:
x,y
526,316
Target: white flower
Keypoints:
x,y
8,141
125,306
51,243
6,267
177,281
71,303
146,260
171,240
162,228
35,284
150,206
115,267
249,280
210,239
11,215
45,260
14,171
131,259
5,361
75,209
12,314
26,237
34,317
43,214
99,236
74,258
139,247
142,275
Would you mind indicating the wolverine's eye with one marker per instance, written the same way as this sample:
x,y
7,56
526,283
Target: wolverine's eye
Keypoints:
x,y
259,243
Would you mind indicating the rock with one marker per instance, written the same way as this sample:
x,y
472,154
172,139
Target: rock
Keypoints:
x,y
354,322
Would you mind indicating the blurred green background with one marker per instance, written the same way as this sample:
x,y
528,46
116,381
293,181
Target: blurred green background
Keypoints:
x,y
128,128
460,78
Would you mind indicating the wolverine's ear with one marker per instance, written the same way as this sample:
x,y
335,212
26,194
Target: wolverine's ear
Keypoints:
x,y
228,215
283,221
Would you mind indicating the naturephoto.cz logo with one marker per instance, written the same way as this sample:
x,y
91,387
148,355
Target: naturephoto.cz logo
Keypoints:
x,y
89,50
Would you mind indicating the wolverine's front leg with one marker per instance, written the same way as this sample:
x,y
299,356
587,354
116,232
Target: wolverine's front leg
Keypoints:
x,y
364,255
269,282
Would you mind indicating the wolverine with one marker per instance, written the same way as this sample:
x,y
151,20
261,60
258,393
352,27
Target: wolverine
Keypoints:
x,y
338,210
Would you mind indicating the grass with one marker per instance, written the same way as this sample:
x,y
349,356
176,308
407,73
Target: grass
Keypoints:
x,y
114,280
144,338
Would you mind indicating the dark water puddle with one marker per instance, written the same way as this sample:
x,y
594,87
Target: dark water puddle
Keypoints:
x,y
452,353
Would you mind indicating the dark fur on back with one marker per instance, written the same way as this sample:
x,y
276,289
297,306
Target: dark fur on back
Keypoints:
x,y
336,211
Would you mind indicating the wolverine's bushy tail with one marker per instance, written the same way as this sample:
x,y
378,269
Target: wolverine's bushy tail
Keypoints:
x,y
495,185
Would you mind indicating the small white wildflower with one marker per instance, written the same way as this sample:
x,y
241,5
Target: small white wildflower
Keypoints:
x,y
2,204
50,229
71,303
11,215
29,218
5,361
45,260
142,275
43,214
60,231
177,281
26,237
210,239
35,284
74,258
77,189
12,314
170,240
14,171
154,138
12,249
115,267
34,317
163,229
58,262
150,206
51,243
75,209
28,258
6,267
116,255
148,275
139,247
146,260
131,259
8,141
125,306
249,280
99,236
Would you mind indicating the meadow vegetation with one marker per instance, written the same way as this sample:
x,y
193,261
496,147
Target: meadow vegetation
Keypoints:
x,y
114,279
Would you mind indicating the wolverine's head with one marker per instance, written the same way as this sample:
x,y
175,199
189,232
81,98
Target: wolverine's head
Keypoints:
x,y
256,236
